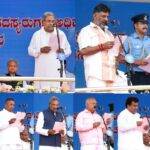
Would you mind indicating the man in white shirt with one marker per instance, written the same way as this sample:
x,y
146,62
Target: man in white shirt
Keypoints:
x,y
44,48
146,139
25,140
50,139
9,130
130,135
96,46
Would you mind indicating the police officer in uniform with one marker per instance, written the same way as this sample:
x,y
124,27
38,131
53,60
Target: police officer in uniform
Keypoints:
x,y
138,46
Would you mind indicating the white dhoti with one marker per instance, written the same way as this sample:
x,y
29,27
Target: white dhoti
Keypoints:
x,y
95,83
92,147
120,81
49,148
65,147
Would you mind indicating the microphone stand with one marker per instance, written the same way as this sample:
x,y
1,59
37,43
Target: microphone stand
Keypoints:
x,y
128,65
24,108
61,69
107,137
31,134
31,144
69,142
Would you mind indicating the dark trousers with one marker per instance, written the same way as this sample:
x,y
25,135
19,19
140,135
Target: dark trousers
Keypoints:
x,y
140,78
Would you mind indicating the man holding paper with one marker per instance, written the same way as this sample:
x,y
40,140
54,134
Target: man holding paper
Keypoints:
x,y
44,47
10,127
130,124
90,127
96,45
138,47
50,126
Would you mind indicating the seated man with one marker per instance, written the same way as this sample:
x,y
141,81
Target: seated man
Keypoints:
x,y
25,139
12,67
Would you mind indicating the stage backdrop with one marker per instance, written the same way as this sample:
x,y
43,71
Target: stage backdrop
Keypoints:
x,y
20,19
121,11
118,100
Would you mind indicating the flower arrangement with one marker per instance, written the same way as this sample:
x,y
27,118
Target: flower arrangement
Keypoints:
x,y
31,88
5,88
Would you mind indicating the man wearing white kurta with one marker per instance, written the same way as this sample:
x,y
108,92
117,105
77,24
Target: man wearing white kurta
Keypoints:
x,y
96,46
25,140
130,135
146,139
9,131
44,48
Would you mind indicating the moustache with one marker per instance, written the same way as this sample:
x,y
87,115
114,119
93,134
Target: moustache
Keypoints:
x,y
145,28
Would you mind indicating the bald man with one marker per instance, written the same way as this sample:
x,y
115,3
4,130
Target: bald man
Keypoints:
x,y
49,138
90,127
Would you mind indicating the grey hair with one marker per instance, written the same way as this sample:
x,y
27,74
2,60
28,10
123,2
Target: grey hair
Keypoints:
x,y
12,60
89,99
47,14
53,98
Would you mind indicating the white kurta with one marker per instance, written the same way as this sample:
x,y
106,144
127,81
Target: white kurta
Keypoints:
x,y
65,147
95,73
25,145
130,137
146,147
47,65
93,35
49,148
9,134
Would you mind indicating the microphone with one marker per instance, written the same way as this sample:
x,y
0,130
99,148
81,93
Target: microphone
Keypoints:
x,y
59,108
29,140
95,106
54,23
61,56
98,107
129,58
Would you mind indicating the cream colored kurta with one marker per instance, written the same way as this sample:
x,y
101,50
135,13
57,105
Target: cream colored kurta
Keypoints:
x,y
25,145
130,137
9,134
47,65
97,66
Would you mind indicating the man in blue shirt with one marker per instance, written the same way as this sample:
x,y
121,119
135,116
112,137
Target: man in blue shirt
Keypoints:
x,y
138,45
